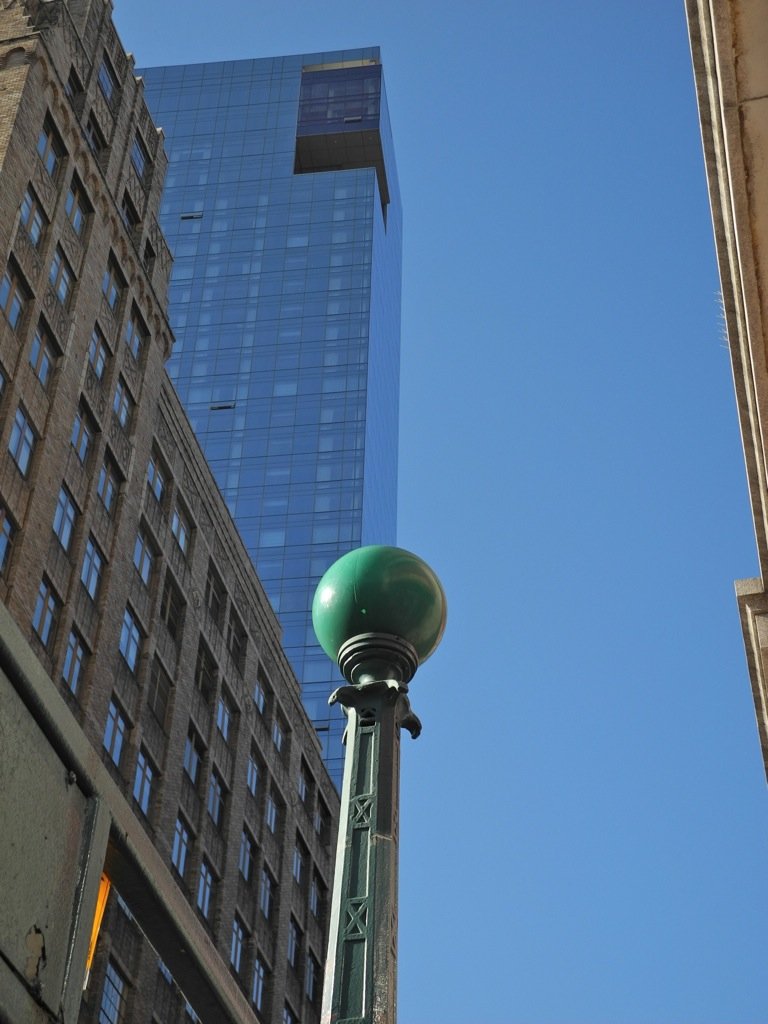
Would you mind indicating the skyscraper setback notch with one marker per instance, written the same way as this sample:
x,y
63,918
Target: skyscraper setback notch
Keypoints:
x,y
282,208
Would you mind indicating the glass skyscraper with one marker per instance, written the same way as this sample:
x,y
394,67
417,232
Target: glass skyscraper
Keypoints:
x,y
282,208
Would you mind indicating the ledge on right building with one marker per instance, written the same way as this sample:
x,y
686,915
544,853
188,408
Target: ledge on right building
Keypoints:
x,y
729,47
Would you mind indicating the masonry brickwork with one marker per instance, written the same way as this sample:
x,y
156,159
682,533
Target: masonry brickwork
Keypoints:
x,y
118,556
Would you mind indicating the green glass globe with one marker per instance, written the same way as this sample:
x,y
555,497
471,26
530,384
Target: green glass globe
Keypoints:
x,y
378,589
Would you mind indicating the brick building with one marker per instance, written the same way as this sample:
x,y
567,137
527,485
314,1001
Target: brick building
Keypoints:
x,y
118,558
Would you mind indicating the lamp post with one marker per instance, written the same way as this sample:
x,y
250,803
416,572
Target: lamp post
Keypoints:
x,y
379,612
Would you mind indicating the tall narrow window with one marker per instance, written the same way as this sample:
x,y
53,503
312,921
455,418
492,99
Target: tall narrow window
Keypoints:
x,y
107,81
130,640
46,614
7,535
42,355
172,608
245,859
270,814
98,352
216,798
112,284
61,276
64,517
14,296
205,889
139,157
135,335
142,784
50,148
143,554
108,483
21,442
236,639
122,405
259,979
32,218
181,528
93,565
159,692
74,661
114,732
265,893
112,1008
193,755
223,716
181,844
311,978
294,943
77,206
252,776
83,432
156,477
236,945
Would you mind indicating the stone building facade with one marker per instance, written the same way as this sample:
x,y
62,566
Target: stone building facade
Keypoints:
x,y
118,558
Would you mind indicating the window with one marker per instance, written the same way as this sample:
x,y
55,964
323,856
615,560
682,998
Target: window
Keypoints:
x,y
93,564
181,844
7,534
114,733
311,978
107,81
94,135
302,784
112,1007
42,355
74,86
252,780
236,946
193,756
289,1017
156,476
142,784
46,614
265,893
128,212
14,295
245,860
270,814
135,335
139,157
143,555
259,696
172,608
321,819
112,284
277,734
298,863
77,206
205,889
205,672
64,517
98,352
223,716
216,798
61,277
314,897
180,528
83,432
21,442
159,692
294,943
74,660
236,639
108,483
257,988
122,406
50,148
33,218
215,595
130,640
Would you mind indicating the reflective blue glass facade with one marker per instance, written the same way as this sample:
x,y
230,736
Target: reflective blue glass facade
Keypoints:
x,y
282,209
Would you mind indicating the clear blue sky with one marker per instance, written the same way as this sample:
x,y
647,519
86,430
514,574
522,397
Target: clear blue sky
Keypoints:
x,y
585,817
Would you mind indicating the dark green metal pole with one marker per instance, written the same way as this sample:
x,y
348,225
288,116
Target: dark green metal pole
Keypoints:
x,y
361,973
396,596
